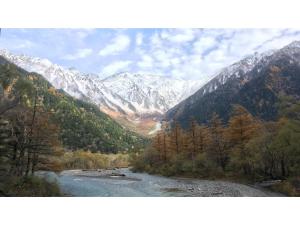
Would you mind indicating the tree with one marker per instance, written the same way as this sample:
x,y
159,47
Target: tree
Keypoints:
x,y
176,139
287,138
6,140
193,136
242,127
6,103
217,142
13,89
156,144
165,141
196,138
44,142
261,157
203,138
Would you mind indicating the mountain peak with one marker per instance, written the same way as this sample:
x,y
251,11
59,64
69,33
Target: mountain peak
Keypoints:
x,y
241,83
131,94
129,75
294,44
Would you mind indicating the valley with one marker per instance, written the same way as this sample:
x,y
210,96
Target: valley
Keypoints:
x,y
136,101
241,125
88,184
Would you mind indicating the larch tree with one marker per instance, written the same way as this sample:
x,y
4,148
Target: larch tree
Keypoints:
x,y
176,139
193,134
157,145
165,140
45,142
203,138
242,128
217,145
192,139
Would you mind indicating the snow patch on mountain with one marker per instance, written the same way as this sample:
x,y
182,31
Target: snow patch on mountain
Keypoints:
x,y
156,128
131,94
235,70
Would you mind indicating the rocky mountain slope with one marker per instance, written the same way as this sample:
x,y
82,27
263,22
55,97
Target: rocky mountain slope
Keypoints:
x,y
135,100
256,82
82,124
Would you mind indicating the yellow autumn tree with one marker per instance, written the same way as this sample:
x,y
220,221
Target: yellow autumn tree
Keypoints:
x,y
242,128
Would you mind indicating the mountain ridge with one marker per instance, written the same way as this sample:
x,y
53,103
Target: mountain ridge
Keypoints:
x,y
129,97
239,85
77,118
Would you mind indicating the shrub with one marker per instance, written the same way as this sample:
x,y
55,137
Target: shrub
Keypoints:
x,y
29,187
88,160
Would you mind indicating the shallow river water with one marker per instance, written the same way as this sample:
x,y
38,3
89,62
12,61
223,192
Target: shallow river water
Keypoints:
x,y
74,183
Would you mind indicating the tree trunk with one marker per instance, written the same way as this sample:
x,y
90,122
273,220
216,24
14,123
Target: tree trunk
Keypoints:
x,y
34,162
282,165
165,148
20,163
28,163
13,165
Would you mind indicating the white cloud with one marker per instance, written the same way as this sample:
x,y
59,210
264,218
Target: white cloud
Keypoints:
x,y
185,53
147,62
175,61
179,35
220,48
156,41
117,45
83,33
203,44
115,67
79,54
139,39
24,44
208,50
18,44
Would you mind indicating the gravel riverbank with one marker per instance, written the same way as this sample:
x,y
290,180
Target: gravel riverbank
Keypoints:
x,y
124,183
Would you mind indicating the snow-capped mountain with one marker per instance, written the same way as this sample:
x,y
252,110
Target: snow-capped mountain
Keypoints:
x,y
149,93
252,82
133,96
236,70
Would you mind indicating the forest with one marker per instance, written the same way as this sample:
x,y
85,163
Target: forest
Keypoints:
x,y
40,127
28,135
246,149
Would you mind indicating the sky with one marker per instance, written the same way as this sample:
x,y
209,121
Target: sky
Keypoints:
x,y
195,54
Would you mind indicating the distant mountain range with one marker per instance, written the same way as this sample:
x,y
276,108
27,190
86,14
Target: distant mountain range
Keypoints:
x,y
135,100
140,101
82,124
256,82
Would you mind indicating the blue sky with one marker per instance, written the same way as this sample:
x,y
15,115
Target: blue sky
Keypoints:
x,y
181,53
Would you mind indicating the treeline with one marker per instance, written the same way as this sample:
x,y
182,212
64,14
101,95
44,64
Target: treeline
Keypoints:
x,y
244,147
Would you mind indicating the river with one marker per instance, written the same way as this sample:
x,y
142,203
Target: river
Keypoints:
x,y
87,184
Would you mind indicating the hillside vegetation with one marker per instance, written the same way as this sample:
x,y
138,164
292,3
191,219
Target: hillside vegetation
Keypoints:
x,y
82,125
259,90
244,149
39,123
